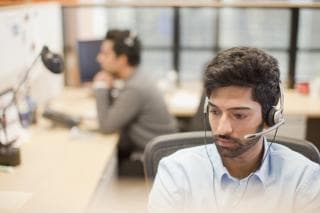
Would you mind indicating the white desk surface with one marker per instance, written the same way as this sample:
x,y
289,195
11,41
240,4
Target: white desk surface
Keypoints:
x,y
299,104
183,102
59,171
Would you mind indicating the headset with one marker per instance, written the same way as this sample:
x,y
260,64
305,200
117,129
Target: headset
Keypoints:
x,y
129,40
274,118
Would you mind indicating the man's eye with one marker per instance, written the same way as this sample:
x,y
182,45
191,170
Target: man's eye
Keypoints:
x,y
214,112
239,116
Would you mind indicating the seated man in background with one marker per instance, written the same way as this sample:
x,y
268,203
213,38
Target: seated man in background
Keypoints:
x,y
240,171
136,109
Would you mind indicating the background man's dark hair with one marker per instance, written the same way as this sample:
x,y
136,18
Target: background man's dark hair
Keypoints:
x,y
246,67
127,43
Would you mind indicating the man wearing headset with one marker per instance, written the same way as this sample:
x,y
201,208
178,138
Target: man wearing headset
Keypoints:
x,y
240,171
127,99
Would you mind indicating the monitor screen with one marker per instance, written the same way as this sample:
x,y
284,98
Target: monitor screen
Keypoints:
x,y
87,53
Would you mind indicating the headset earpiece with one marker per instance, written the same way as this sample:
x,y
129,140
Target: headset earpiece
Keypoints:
x,y
205,106
270,119
275,115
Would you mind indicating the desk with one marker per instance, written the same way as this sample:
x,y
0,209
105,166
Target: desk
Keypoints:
x,y
183,102
299,104
59,171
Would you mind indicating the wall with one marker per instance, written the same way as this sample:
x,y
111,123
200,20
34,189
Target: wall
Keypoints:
x,y
23,31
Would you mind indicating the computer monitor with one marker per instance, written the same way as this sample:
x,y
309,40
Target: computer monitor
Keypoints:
x,y
87,54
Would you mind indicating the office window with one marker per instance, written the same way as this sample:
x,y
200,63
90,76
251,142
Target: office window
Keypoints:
x,y
308,66
198,41
265,28
309,30
121,18
156,62
308,63
193,64
198,32
154,25
198,27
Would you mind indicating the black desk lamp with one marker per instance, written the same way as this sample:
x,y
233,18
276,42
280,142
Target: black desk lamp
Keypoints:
x,y
10,155
53,62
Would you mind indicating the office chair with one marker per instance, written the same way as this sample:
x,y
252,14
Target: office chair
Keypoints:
x,y
165,145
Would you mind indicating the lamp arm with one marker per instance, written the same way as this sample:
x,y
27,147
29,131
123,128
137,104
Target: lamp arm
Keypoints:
x,y
52,61
25,77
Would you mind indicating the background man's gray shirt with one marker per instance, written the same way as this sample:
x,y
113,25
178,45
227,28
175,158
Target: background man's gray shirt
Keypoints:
x,y
140,109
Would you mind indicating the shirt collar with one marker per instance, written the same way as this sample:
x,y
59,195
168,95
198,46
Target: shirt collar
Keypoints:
x,y
261,174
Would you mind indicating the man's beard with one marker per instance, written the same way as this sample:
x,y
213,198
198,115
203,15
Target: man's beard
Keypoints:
x,y
240,145
114,74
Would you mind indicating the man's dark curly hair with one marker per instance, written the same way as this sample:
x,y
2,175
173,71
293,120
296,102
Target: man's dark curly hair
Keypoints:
x,y
246,67
127,43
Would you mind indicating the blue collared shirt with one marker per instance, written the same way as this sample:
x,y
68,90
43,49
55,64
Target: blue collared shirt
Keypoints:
x,y
187,182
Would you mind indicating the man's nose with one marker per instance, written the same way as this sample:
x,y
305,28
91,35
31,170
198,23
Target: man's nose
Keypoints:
x,y
98,58
224,126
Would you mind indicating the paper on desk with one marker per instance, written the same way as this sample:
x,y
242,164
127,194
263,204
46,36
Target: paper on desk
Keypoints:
x,y
185,100
90,115
13,200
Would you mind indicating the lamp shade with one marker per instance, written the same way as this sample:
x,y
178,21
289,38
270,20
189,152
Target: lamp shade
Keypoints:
x,y
52,61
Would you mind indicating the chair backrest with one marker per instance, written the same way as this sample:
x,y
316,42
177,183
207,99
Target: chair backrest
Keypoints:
x,y
165,145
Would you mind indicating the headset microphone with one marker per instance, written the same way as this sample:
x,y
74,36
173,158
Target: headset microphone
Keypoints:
x,y
264,132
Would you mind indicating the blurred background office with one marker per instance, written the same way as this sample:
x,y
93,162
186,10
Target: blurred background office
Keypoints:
x,y
178,40
183,39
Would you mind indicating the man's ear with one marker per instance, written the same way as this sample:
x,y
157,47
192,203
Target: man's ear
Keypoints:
x,y
123,59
